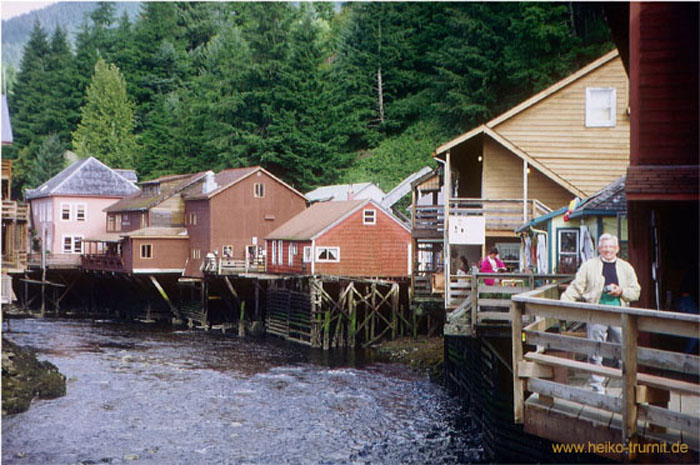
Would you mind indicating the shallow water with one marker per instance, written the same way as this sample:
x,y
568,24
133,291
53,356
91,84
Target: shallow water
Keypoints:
x,y
141,394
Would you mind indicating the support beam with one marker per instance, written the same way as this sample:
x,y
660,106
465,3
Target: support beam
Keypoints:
x,y
161,291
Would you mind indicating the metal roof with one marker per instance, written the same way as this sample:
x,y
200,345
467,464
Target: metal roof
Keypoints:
x,y
339,192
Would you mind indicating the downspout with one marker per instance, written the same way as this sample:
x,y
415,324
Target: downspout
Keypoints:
x,y
525,219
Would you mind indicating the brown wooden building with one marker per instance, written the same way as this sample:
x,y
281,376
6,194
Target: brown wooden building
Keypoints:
x,y
230,215
354,238
145,231
660,50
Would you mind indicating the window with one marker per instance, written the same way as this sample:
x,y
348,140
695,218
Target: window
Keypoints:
x,y
259,189
600,106
196,254
117,222
291,253
369,217
307,254
279,252
328,254
509,253
146,251
80,212
227,251
567,249
73,244
193,219
273,253
65,212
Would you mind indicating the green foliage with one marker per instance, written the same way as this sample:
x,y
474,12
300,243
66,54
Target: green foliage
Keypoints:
x,y
105,129
299,88
396,158
47,159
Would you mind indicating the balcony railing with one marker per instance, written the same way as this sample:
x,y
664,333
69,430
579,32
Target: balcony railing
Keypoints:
x,y
60,260
12,210
102,262
501,214
234,266
15,260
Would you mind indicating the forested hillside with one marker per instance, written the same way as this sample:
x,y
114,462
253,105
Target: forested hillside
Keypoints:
x,y
67,15
313,93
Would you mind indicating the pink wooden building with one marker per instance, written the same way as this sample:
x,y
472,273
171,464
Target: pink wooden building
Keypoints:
x,y
70,207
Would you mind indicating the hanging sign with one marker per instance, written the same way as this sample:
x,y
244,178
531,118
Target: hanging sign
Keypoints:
x,y
469,230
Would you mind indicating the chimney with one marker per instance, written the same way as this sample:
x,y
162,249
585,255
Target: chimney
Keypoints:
x,y
351,194
209,182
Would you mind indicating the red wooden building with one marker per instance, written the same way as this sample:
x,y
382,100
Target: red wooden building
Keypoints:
x,y
230,215
354,238
659,46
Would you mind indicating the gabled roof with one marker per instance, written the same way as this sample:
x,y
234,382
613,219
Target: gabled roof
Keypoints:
x,y
339,192
169,186
86,177
321,217
531,101
229,177
609,200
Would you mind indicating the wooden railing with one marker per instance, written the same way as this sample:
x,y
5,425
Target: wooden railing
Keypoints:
x,y
12,210
56,260
501,214
484,299
102,262
15,260
230,265
544,375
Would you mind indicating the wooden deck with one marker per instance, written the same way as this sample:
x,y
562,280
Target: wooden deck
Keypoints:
x,y
652,399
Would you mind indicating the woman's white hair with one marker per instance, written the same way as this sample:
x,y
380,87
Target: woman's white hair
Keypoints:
x,y
609,237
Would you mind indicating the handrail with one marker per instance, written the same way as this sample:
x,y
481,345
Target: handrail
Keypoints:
x,y
532,371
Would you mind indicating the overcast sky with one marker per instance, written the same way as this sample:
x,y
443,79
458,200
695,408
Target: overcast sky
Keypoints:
x,y
10,9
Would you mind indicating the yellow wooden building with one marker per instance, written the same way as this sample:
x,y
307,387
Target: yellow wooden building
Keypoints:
x,y
569,140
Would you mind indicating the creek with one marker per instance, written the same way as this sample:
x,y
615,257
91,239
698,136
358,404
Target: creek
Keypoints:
x,y
147,394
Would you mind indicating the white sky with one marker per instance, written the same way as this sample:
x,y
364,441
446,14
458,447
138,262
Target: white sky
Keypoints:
x,y
10,9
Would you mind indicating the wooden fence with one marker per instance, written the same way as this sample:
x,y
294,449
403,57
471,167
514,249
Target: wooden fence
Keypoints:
x,y
655,393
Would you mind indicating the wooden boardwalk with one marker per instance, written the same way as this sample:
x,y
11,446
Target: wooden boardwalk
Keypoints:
x,y
654,398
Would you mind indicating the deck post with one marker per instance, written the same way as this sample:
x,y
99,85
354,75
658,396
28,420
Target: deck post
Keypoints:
x,y
475,303
516,313
352,310
629,380
394,309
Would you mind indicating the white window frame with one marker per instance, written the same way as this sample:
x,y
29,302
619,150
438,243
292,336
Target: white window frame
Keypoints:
x,y
280,252
291,252
72,242
66,207
334,250
196,254
273,252
227,251
193,219
78,206
259,190
591,120
369,220
307,257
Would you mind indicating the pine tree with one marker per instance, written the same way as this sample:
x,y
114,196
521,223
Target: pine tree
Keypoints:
x,y
26,103
47,160
106,128
61,105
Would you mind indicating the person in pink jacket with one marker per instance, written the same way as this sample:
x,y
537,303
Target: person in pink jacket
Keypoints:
x,y
491,264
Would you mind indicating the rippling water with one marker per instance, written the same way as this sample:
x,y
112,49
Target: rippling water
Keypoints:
x,y
139,394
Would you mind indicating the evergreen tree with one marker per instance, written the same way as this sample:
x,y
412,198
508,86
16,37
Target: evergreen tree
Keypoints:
x,y
61,105
26,103
106,128
47,160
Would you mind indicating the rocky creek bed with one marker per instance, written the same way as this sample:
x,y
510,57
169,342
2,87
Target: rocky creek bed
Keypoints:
x,y
25,378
